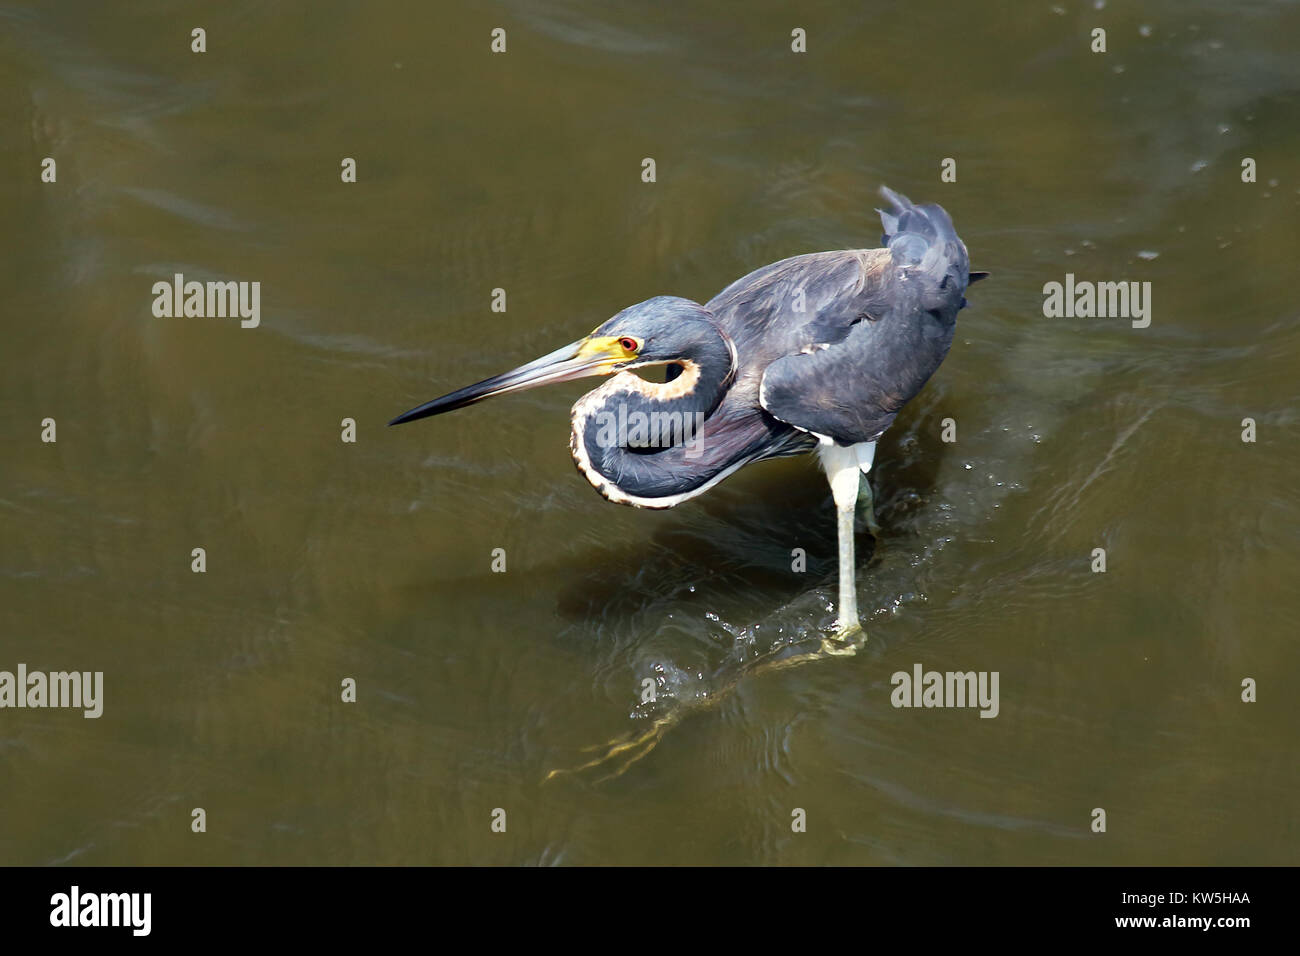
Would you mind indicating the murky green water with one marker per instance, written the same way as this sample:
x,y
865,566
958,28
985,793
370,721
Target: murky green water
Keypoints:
x,y
371,560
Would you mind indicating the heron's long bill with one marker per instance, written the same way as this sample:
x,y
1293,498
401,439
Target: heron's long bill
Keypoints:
x,y
594,355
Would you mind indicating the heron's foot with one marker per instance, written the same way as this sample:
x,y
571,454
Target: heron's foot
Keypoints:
x,y
847,639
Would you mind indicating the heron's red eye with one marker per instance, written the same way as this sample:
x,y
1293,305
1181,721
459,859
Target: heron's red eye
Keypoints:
x,y
628,344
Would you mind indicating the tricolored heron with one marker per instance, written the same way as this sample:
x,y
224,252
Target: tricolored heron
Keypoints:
x,y
819,351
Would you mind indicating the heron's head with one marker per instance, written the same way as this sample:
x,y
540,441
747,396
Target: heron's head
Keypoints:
x,y
658,331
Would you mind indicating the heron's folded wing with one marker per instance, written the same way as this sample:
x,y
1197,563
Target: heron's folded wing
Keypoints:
x,y
800,302
851,389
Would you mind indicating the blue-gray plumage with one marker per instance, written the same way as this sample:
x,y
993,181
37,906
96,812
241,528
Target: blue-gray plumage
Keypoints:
x,y
817,351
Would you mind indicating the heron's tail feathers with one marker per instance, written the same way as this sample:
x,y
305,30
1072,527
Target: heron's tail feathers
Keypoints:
x,y
922,240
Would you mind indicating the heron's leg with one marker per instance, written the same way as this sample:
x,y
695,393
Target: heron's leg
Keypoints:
x,y
848,616
867,507
866,453
842,470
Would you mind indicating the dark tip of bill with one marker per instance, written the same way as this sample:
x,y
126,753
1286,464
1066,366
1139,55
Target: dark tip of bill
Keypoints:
x,y
411,416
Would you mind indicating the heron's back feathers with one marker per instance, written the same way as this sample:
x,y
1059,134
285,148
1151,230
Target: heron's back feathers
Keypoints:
x,y
923,244
895,330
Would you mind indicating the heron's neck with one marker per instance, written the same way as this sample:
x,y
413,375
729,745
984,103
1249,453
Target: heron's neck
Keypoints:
x,y
623,430
706,370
